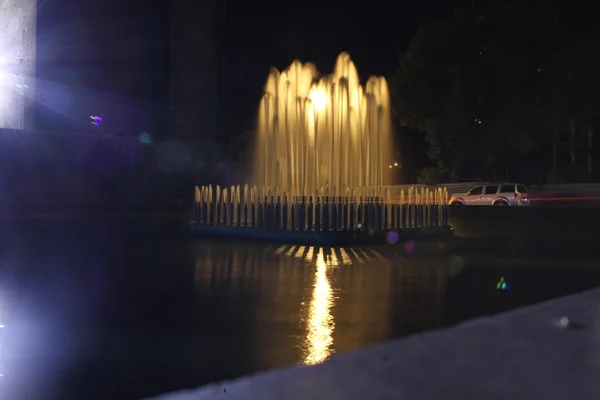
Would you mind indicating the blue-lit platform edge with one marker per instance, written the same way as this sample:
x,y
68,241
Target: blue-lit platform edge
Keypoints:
x,y
524,354
329,238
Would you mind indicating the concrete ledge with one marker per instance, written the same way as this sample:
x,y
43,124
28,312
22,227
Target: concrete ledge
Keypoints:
x,y
526,223
523,354
330,238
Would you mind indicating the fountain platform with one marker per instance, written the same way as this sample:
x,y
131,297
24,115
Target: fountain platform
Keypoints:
x,y
328,238
369,218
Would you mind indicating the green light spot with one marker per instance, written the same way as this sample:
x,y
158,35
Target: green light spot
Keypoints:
x,y
502,284
145,138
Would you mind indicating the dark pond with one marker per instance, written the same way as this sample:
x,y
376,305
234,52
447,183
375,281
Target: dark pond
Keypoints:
x,y
124,307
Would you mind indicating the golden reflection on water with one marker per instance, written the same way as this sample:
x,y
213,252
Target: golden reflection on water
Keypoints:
x,y
320,327
379,295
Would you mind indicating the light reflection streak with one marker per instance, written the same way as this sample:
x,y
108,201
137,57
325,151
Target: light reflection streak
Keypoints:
x,y
300,252
291,251
320,321
2,326
346,260
357,257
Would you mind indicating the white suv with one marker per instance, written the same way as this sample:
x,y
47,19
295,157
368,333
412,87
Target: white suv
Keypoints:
x,y
492,194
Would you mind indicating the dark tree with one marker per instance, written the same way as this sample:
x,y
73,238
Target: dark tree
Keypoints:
x,y
487,89
435,90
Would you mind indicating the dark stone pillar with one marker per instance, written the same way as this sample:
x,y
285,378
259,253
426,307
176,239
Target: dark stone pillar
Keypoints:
x,y
17,63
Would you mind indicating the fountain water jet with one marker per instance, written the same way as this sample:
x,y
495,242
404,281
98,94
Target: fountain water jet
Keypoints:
x,y
323,134
322,147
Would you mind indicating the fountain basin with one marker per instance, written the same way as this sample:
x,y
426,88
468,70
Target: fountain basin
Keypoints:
x,y
320,220
327,238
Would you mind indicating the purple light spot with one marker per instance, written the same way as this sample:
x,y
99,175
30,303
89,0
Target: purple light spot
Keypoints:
x,y
392,237
95,120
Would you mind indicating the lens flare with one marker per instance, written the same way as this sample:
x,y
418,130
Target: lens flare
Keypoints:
x,y
393,237
145,138
95,120
503,284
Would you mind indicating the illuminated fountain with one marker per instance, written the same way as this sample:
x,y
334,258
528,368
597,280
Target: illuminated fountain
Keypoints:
x,y
325,133
322,148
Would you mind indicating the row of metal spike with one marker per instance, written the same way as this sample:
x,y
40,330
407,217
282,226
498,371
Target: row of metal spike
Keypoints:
x,y
318,213
247,194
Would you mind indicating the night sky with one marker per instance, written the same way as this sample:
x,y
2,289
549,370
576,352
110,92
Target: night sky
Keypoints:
x,y
265,33
119,49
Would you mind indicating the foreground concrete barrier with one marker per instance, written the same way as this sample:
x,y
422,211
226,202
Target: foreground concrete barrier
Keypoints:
x,y
548,351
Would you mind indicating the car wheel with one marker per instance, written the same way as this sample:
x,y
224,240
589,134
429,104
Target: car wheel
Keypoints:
x,y
457,204
501,203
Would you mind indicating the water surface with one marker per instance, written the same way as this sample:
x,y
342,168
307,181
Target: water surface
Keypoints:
x,y
123,307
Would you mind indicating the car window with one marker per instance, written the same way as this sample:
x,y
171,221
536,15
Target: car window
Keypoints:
x,y
521,189
491,189
476,190
507,189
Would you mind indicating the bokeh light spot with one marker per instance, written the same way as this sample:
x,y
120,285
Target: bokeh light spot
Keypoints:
x,y
95,120
392,237
457,266
502,284
410,246
145,138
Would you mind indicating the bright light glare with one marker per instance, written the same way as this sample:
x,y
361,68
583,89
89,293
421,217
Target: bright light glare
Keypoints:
x,y
1,374
17,59
319,99
4,75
